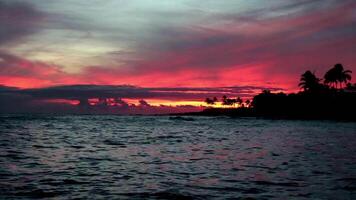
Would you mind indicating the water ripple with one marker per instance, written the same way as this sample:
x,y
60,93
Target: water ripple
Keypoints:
x,y
137,157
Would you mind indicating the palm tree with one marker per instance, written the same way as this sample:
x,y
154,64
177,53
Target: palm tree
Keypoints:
x,y
344,75
248,103
239,101
224,100
330,77
349,86
309,82
336,75
266,91
227,101
211,101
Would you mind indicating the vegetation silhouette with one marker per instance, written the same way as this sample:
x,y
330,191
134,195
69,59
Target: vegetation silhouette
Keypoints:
x,y
336,75
211,101
231,101
309,82
332,97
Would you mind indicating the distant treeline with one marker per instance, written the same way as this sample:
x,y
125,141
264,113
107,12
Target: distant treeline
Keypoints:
x,y
332,97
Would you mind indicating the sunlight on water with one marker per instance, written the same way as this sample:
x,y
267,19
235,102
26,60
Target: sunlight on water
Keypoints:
x,y
136,157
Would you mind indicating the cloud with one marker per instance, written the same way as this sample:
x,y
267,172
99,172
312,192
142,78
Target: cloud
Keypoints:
x,y
77,92
21,72
232,45
272,44
11,65
144,103
110,98
179,44
17,20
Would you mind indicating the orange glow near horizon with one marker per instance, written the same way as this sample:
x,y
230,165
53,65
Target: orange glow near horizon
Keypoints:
x,y
63,101
135,102
176,103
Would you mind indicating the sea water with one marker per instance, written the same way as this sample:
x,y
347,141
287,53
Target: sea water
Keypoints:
x,y
163,157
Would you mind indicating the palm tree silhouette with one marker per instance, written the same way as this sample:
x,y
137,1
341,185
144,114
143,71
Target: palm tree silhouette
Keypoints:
x,y
309,81
228,102
336,75
239,101
344,75
224,101
330,77
351,86
248,103
211,101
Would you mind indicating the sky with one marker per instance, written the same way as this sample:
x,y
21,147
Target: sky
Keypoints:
x,y
165,54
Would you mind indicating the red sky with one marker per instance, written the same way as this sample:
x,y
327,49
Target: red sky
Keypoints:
x,y
249,45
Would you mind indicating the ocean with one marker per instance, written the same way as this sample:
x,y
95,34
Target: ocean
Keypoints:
x,y
167,157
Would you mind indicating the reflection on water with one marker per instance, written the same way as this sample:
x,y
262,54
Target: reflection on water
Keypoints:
x,y
136,157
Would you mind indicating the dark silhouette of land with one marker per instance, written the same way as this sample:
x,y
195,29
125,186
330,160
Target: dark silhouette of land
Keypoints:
x,y
330,98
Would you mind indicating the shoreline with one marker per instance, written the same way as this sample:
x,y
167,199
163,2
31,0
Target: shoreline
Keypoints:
x,y
251,113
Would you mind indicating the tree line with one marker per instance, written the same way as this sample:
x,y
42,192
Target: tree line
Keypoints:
x,y
335,79
225,101
332,97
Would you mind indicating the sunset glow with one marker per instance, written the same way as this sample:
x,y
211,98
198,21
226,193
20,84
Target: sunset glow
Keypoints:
x,y
177,99
62,101
205,47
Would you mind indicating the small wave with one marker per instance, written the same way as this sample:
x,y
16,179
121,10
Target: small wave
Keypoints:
x,y
347,179
15,156
259,167
168,137
283,184
182,118
49,125
37,193
77,146
29,117
114,143
95,160
73,182
40,146
350,188
347,184
162,195
317,172
242,190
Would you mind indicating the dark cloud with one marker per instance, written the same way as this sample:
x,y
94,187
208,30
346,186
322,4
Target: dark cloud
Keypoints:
x,y
17,20
4,88
20,19
144,103
77,92
109,98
